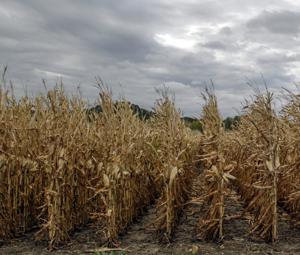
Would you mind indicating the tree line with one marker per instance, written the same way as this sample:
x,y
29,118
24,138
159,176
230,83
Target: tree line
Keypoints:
x,y
192,123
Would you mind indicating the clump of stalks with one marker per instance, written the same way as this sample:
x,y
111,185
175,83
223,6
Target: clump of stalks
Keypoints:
x,y
26,166
289,186
58,169
216,174
63,166
173,149
258,140
128,174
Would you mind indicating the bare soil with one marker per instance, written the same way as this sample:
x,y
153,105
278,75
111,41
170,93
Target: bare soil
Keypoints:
x,y
139,240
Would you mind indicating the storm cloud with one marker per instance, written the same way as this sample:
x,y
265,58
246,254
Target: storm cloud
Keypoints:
x,y
146,44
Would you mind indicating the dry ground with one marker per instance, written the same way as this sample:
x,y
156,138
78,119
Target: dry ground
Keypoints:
x,y
139,240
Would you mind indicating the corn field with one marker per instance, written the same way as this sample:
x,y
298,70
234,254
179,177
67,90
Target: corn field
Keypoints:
x,y
63,167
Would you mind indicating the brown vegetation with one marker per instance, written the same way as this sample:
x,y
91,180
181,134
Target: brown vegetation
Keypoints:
x,y
61,169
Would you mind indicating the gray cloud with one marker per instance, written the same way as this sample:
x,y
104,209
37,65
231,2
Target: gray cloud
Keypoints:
x,y
278,22
226,31
143,45
217,45
279,58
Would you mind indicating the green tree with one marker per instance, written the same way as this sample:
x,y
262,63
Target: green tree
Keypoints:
x,y
196,125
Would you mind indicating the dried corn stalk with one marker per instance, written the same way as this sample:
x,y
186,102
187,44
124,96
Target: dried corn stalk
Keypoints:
x,y
172,149
258,162
216,175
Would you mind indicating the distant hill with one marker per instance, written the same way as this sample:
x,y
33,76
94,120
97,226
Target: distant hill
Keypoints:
x,y
142,113
190,122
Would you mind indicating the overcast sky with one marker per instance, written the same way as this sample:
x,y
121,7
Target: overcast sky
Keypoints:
x,y
144,44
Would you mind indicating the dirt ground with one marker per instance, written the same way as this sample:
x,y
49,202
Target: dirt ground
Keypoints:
x,y
139,240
